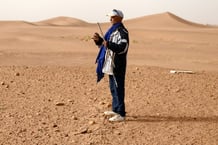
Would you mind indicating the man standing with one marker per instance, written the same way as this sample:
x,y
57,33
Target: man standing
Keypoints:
x,y
117,41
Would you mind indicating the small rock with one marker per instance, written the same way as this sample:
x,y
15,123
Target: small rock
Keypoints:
x,y
23,93
55,125
74,118
57,130
101,103
91,122
82,131
73,141
71,101
17,74
2,83
22,130
90,89
60,104
177,90
117,132
108,105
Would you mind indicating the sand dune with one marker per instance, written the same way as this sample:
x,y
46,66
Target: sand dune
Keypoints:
x,y
62,21
16,23
163,20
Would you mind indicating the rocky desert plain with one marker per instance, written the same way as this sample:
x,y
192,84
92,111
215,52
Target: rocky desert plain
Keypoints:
x,y
49,94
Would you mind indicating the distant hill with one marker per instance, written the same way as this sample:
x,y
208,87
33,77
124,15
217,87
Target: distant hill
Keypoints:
x,y
162,20
16,23
62,21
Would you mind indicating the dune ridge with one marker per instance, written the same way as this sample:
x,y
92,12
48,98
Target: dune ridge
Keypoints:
x,y
184,21
62,21
163,20
16,23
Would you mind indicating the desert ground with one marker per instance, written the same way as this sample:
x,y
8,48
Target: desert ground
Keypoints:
x,y
49,94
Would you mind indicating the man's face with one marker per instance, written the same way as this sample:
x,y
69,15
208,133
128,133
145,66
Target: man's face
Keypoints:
x,y
115,19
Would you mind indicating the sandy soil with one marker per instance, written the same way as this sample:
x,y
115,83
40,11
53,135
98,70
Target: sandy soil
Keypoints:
x,y
49,95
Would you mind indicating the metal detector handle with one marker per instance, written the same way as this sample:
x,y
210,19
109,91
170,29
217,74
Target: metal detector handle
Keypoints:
x,y
99,26
102,34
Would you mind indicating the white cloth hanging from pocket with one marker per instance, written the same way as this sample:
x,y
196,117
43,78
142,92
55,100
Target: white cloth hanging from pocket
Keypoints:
x,y
108,66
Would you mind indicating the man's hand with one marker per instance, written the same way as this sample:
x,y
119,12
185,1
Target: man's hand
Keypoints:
x,y
97,38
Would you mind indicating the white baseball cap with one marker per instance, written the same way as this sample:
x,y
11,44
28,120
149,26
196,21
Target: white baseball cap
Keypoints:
x,y
115,12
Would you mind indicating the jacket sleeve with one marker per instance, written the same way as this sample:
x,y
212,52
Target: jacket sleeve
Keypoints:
x,y
122,44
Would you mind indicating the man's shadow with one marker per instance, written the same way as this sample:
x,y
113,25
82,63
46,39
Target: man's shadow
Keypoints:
x,y
212,119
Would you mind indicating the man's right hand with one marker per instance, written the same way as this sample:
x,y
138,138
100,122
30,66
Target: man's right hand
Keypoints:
x,y
97,38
